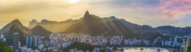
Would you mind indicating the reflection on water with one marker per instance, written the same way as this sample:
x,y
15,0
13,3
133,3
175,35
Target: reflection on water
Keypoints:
x,y
145,50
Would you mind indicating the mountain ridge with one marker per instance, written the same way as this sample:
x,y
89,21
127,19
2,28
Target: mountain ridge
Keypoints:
x,y
93,24
15,22
40,31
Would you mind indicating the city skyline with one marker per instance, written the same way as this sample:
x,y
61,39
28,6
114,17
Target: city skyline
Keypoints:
x,y
143,12
95,26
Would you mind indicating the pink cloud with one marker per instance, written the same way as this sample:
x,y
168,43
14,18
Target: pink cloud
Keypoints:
x,y
175,8
167,9
166,12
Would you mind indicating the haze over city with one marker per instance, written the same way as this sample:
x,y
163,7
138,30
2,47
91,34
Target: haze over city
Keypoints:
x,y
143,12
95,25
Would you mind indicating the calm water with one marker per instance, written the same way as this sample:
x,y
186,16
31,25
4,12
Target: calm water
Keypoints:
x,y
145,50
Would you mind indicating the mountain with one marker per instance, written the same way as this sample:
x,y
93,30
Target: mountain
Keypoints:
x,y
16,26
171,30
95,25
52,26
40,31
9,35
136,29
33,23
17,23
89,22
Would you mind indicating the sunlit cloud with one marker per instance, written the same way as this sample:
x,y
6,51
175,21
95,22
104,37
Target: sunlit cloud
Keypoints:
x,y
160,12
143,12
175,8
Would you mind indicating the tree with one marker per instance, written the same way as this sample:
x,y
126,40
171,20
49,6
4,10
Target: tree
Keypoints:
x,y
4,47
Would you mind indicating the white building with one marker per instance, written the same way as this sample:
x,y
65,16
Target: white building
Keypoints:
x,y
2,36
23,49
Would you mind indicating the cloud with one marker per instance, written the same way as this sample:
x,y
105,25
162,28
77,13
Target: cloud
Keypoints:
x,y
160,12
144,12
58,10
175,8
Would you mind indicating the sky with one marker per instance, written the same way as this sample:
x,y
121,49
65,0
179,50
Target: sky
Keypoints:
x,y
143,12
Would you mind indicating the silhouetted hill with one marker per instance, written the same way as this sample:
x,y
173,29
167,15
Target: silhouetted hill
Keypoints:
x,y
53,26
167,28
171,30
33,23
9,35
17,23
135,28
40,31
95,25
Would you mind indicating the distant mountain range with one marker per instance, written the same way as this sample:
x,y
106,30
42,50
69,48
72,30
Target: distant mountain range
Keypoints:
x,y
17,23
94,25
38,30
52,26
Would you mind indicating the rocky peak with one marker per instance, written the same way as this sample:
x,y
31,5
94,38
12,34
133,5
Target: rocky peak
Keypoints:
x,y
34,21
40,31
16,21
86,14
113,18
38,26
44,21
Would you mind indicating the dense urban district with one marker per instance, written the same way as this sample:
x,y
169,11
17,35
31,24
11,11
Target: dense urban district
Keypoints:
x,y
91,34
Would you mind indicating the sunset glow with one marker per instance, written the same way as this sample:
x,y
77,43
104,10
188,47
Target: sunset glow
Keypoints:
x,y
160,12
74,1
95,25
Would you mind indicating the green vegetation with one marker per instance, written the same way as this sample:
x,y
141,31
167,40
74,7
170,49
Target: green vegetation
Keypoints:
x,y
80,46
151,36
189,49
4,47
9,35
